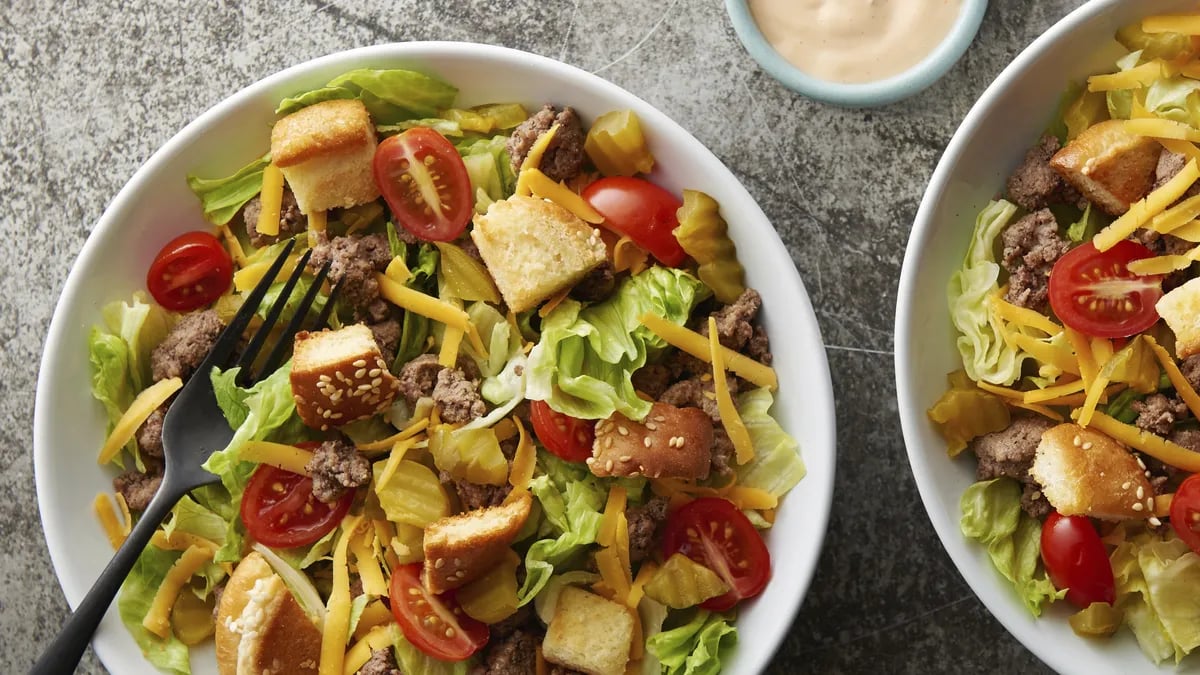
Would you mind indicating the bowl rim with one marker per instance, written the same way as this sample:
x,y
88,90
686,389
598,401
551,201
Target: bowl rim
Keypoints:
x,y
818,390
912,414
860,95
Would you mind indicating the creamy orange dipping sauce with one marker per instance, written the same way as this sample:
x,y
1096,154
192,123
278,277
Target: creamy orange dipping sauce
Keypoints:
x,y
854,41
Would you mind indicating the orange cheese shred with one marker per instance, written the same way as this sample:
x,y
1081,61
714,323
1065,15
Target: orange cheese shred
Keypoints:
x,y
524,460
1181,384
272,201
730,419
146,402
615,506
109,520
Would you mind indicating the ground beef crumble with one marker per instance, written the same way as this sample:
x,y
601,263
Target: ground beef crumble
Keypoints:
x,y
1157,413
291,220
644,524
354,261
564,156
186,345
149,435
1010,452
1035,184
457,397
336,466
381,663
1031,247
139,488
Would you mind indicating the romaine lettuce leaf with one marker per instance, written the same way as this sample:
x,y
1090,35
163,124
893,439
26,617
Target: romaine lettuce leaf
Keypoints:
x,y
1120,101
1156,582
391,96
221,198
110,382
137,593
142,324
583,362
777,466
1176,98
489,167
695,648
992,515
985,354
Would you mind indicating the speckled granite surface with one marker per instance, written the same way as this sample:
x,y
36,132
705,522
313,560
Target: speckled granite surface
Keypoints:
x,y
91,89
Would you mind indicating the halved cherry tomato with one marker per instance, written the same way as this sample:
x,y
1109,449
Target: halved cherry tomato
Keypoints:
x,y
279,509
714,533
565,436
190,272
1095,294
425,183
642,211
435,624
1076,560
1185,512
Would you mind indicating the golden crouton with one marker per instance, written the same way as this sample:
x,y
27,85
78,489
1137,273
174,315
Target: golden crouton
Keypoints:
x,y
325,152
1181,310
462,548
1110,166
589,634
1085,472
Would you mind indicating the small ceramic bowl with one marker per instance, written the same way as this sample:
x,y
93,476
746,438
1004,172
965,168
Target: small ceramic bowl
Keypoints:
x,y
866,95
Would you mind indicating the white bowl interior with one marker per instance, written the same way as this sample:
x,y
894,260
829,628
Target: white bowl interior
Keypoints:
x,y
156,205
989,144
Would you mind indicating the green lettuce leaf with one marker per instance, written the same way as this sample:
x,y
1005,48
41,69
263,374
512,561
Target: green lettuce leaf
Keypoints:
x,y
695,648
582,364
109,358
776,467
1120,101
142,324
413,661
571,499
984,353
137,593
1176,98
221,198
191,517
291,104
442,126
992,515
1156,583
303,284
1087,226
490,169
393,96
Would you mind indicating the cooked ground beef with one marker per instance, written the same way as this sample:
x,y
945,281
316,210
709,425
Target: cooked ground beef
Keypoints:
x,y
652,379
337,466
722,452
475,495
457,397
149,435
1166,244
596,285
387,336
523,619
354,260
1031,247
381,663
644,522
563,158
690,393
1169,164
186,345
1191,370
1035,185
291,221
759,346
734,321
514,654
1009,452
139,488
418,377
1034,502
1157,413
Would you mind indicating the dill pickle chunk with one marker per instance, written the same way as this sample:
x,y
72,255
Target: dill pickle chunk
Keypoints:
x,y
192,618
465,277
493,597
703,234
682,582
616,145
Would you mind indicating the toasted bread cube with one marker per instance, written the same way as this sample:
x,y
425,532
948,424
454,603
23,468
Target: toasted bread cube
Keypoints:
x,y
339,376
589,633
325,152
670,443
460,549
1181,310
1085,472
1110,166
535,248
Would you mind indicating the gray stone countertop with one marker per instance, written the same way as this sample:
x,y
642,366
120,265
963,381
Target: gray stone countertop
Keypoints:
x,y
92,88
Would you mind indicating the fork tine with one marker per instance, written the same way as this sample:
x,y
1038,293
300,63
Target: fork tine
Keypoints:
x,y
275,358
323,318
260,336
228,339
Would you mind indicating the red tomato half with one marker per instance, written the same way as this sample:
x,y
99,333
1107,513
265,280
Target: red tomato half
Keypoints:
x,y
565,436
279,509
1095,294
642,211
425,183
190,272
435,624
714,533
1185,512
1076,560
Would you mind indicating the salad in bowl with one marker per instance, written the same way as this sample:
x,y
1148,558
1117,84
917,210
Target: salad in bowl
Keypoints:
x,y
1075,315
505,447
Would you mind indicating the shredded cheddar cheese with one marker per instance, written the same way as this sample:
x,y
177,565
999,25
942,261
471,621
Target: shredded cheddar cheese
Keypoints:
x,y
1022,316
1151,444
607,533
416,427
1051,393
146,402
730,419
1151,205
524,460
1037,408
1083,354
627,255
1187,24
1002,392
286,457
1047,353
1181,384
698,346
430,308
337,609
373,615
1162,505
363,548
533,158
113,526
451,341
399,449
318,222
544,187
234,246
158,619
245,279
1134,78
397,270
182,541
1188,232
1157,127
1177,216
272,201
379,637
554,301
752,498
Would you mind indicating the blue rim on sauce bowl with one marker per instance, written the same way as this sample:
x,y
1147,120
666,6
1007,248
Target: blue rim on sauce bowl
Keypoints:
x,y
865,95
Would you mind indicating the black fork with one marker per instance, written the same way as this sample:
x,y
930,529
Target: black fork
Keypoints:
x,y
193,430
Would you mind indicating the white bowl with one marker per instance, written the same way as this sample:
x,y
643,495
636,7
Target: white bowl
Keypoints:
x,y
156,205
989,144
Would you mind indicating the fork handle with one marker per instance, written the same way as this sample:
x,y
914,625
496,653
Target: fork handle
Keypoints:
x,y
63,654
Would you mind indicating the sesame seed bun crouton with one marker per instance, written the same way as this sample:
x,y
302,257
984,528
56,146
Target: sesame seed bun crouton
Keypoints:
x,y
339,376
1085,472
535,248
459,549
260,627
1181,310
588,633
670,443
325,152
1110,166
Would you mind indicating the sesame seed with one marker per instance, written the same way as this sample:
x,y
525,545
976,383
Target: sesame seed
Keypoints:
x,y
361,363
413,591
646,441
1150,503
634,474
1154,521
623,431
375,372
651,426
326,378
439,563
1147,474
590,461
326,413
364,387
1125,485
460,574
608,442
1137,506
625,458
1037,494
336,416
1077,441
1141,463
324,427
1087,445
659,418
608,465
360,373
1141,493
449,632
376,382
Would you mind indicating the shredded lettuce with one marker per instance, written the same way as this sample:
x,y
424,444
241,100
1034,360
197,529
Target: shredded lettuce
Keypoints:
x,y
1120,101
489,167
222,198
653,615
695,648
413,661
582,365
992,515
1087,226
137,593
985,354
390,96
546,602
777,466
1155,583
